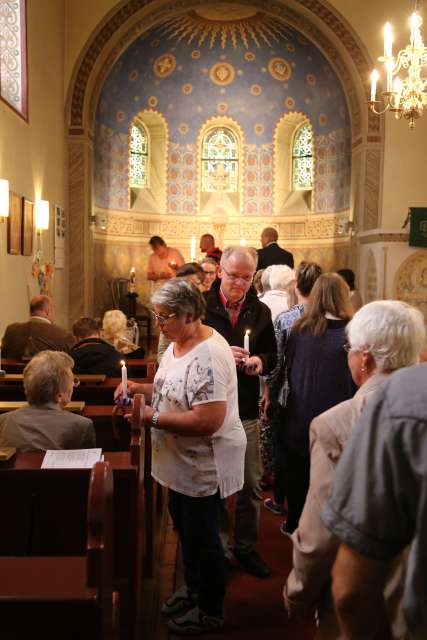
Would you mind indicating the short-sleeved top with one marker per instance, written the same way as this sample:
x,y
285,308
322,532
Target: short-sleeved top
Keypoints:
x,y
378,505
199,465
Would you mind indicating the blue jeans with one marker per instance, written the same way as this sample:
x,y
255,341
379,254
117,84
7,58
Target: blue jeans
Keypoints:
x,y
197,523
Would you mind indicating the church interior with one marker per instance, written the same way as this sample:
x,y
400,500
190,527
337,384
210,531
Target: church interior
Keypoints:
x,y
109,113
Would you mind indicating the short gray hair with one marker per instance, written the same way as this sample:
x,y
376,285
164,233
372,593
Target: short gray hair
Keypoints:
x,y
281,276
247,253
47,374
180,297
392,331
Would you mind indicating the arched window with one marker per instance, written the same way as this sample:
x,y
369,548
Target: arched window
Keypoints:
x,y
13,55
138,157
302,159
220,161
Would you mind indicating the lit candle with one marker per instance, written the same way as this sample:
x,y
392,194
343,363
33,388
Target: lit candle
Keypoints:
x,y
374,80
246,340
124,380
243,242
414,22
193,248
388,40
132,275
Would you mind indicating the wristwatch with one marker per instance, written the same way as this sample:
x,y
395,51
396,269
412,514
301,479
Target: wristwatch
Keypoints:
x,y
155,419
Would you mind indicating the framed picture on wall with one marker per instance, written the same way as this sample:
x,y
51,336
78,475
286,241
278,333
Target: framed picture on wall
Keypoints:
x,y
14,223
60,234
27,227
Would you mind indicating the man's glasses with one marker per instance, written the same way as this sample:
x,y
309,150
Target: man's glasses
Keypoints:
x,y
232,276
162,319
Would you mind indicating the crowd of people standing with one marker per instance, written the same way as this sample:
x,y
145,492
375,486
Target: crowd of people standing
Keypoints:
x,y
265,373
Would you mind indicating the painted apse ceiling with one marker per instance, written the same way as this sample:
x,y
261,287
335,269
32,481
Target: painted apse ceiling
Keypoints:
x,y
221,60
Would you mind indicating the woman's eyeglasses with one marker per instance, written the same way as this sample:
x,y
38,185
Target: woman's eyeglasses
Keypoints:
x,y
347,347
162,319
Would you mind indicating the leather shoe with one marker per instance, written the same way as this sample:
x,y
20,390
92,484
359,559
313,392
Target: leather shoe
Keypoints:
x,y
253,564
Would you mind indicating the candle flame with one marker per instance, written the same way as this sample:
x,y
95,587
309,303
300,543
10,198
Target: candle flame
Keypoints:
x,y
247,332
122,362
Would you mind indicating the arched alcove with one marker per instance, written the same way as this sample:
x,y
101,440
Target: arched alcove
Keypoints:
x,y
313,21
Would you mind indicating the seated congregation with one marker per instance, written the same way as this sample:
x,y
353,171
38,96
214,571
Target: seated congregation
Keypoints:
x,y
273,400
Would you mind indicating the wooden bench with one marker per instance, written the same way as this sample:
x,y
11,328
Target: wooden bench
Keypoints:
x,y
43,513
66,597
75,406
137,367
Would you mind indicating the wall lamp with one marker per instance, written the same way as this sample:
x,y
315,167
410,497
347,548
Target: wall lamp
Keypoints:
x,y
4,199
42,215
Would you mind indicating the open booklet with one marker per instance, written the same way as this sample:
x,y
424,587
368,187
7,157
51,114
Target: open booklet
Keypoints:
x,y
71,458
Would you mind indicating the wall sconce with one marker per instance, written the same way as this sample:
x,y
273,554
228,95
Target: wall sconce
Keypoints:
x,y
42,215
4,199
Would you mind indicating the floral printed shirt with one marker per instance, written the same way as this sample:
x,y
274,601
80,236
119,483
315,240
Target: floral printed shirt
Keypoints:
x,y
199,465
277,381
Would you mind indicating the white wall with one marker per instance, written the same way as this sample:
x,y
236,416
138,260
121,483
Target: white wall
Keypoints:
x,y
32,154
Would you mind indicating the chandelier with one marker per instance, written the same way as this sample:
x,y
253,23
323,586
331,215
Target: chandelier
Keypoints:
x,y
405,97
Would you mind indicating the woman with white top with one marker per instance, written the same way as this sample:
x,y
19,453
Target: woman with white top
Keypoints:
x,y
198,446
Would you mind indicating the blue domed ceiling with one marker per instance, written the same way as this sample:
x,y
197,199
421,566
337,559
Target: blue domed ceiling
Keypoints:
x,y
199,65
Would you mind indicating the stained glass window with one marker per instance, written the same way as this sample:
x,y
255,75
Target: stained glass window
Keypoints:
x,y
138,157
13,55
220,162
302,159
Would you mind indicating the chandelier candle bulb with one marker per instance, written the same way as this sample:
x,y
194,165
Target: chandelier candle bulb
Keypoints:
x,y
388,41
124,380
246,340
193,248
389,67
374,80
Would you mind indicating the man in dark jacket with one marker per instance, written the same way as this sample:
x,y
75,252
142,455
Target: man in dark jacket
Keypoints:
x,y
271,253
91,354
39,333
233,309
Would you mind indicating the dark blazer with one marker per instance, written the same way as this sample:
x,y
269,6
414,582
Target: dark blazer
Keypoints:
x,y
255,316
28,338
94,355
273,254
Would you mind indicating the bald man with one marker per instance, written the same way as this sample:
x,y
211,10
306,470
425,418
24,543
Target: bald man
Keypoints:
x,y
271,253
25,339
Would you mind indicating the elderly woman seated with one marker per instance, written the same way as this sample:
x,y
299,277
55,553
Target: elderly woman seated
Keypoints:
x,y
383,336
44,423
198,448
115,331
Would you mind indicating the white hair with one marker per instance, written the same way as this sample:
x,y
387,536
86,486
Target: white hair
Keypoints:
x,y
393,332
281,276
265,279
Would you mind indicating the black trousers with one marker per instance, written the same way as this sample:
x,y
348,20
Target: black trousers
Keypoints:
x,y
291,472
197,523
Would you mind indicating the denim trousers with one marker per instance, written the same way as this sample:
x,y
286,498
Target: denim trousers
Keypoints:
x,y
248,499
197,522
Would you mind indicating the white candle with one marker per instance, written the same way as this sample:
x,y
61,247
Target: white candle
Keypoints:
x,y
124,380
374,79
246,340
193,248
388,40
389,66
242,242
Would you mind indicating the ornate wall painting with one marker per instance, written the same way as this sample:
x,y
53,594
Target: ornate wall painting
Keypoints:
x,y
14,220
27,227
60,234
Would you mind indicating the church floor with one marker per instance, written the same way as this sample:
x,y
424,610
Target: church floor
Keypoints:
x,y
253,607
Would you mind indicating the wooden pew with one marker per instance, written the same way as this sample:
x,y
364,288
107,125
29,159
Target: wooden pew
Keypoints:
x,y
75,406
66,597
137,367
43,513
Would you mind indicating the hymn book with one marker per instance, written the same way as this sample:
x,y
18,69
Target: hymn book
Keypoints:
x,y
71,458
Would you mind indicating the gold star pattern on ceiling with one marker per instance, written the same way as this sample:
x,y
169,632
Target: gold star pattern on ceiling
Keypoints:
x,y
225,22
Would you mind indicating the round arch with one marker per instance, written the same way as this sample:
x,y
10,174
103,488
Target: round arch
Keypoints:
x,y
315,19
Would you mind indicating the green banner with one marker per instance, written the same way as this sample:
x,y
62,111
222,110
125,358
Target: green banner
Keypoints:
x,y
418,227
